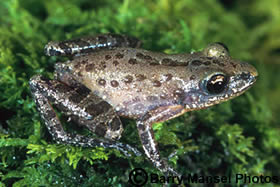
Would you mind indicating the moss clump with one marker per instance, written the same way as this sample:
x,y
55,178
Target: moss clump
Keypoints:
x,y
240,136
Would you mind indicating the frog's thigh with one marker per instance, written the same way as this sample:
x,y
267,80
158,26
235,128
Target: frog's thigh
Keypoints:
x,y
102,120
106,122
41,91
84,108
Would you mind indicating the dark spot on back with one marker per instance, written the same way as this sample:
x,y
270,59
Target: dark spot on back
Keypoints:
x,y
168,77
103,65
115,62
140,55
192,77
89,67
114,83
101,82
196,62
84,61
147,57
107,57
128,79
140,77
156,83
132,61
139,90
119,55
78,65
166,61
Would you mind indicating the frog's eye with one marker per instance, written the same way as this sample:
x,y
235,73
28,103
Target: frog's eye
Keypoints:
x,y
217,84
217,49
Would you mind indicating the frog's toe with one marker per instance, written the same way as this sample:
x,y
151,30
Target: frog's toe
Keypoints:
x,y
168,170
125,152
125,148
134,150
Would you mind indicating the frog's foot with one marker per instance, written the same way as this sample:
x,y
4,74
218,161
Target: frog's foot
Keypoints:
x,y
90,142
124,148
167,170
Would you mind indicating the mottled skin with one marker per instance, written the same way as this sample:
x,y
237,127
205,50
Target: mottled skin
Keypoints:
x,y
112,77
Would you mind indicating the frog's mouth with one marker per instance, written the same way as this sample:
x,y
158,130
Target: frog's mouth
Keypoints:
x,y
237,85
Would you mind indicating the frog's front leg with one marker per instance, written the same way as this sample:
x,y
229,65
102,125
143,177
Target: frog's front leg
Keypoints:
x,y
144,126
87,45
45,91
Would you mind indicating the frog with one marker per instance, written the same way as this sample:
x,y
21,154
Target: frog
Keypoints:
x,y
109,77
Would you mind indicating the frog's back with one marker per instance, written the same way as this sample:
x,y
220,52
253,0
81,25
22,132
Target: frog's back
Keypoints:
x,y
133,81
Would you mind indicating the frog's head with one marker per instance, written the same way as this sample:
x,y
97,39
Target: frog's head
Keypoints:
x,y
216,77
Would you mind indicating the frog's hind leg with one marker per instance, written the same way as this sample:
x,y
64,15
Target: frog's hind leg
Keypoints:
x,y
101,119
87,45
47,91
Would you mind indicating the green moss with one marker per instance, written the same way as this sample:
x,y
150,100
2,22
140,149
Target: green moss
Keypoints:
x,y
240,136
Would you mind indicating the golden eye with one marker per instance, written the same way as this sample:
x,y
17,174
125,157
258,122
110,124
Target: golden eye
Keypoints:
x,y
217,84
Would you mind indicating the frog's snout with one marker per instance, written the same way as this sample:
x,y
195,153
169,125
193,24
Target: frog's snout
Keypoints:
x,y
254,75
249,72
254,71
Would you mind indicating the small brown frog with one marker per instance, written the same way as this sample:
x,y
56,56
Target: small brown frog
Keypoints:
x,y
110,76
